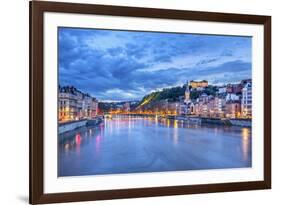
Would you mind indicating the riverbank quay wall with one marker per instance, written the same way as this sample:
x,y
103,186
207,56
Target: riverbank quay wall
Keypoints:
x,y
134,115
69,126
241,122
230,122
198,120
217,121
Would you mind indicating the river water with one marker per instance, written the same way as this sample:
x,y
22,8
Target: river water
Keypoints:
x,y
147,144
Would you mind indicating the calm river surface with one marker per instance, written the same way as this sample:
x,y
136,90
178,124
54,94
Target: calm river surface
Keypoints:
x,y
138,144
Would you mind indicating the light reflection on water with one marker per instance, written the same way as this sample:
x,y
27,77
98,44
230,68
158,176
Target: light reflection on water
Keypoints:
x,y
137,144
245,142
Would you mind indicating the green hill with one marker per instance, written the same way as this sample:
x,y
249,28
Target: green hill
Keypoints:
x,y
173,94
170,94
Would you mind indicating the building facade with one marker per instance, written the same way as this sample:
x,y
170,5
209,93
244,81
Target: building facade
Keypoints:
x,y
246,102
67,106
233,109
75,105
199,84
234,88
232,97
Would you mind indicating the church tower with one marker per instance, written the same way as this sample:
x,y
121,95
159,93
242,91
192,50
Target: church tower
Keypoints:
x,y
187,93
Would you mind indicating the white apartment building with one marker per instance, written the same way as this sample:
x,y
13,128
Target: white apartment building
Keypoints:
x,y
246,102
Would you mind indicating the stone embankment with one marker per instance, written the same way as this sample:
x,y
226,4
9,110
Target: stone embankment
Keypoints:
x,y
72,125
217,121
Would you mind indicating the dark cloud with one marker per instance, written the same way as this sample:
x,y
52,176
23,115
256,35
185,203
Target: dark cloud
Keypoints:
x,y
202,62
227,52
116,65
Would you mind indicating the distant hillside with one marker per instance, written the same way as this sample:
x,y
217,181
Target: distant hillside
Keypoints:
x,y
171,94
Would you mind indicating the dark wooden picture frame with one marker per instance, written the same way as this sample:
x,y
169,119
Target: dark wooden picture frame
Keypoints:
x,y
37,9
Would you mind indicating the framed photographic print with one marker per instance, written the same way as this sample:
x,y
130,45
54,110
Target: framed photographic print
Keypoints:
x,y
138,102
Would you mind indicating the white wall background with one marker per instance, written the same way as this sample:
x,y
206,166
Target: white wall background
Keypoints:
x,y
14,101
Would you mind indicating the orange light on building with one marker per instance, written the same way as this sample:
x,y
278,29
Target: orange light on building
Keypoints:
x,y
238,114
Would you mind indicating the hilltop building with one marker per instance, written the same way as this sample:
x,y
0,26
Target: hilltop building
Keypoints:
x,y
199,84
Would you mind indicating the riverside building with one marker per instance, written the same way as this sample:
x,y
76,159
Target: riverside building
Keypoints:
x,y
246,102
75,105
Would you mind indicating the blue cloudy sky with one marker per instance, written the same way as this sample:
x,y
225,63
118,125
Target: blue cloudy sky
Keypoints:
x,y
126,65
